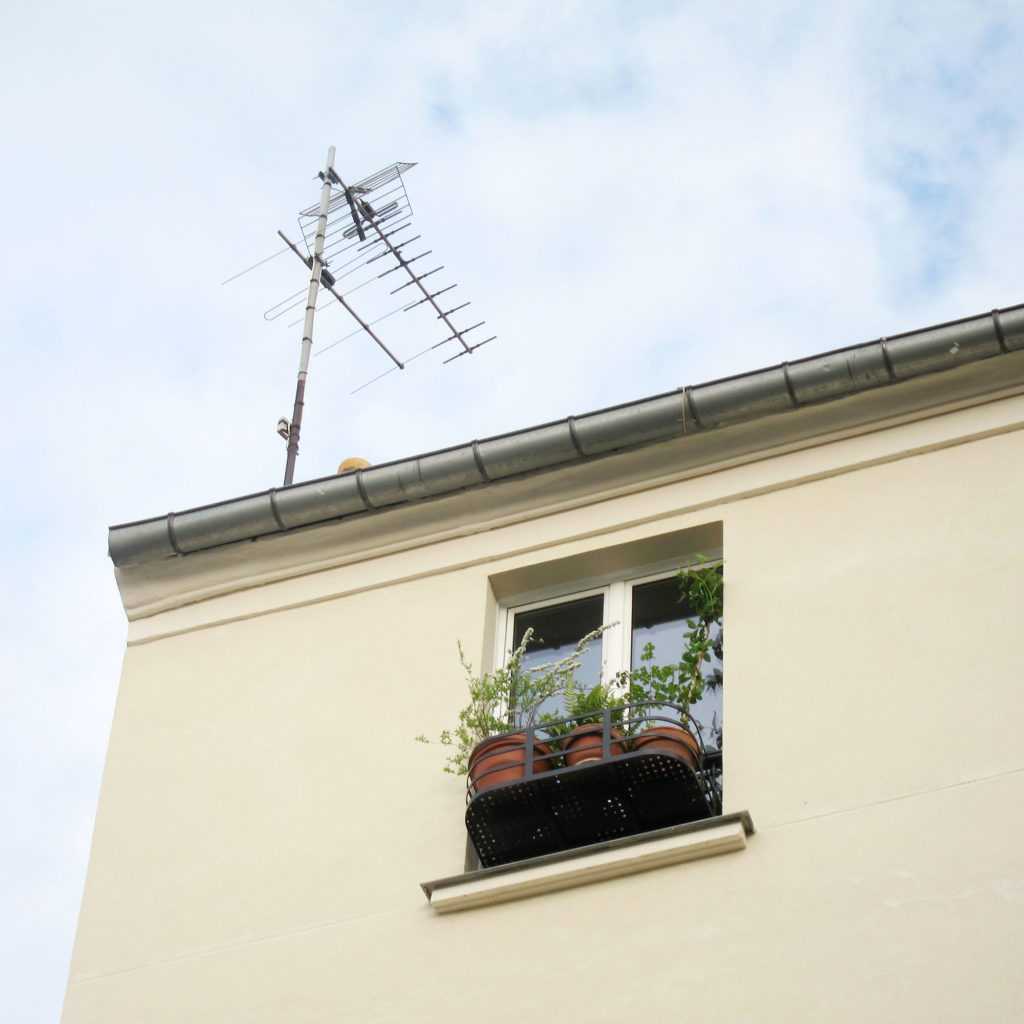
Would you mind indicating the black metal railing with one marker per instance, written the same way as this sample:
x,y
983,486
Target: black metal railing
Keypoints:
x,y
570,781
617,731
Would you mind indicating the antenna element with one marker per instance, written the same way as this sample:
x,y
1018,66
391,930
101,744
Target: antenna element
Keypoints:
x,y
361,229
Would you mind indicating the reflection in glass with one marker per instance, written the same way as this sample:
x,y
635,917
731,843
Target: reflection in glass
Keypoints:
x,y
556,631
659,618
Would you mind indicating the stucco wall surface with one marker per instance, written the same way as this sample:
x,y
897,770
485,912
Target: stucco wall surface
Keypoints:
x,y
266,817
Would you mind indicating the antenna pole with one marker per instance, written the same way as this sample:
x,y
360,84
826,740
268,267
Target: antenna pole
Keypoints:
x,y
316,267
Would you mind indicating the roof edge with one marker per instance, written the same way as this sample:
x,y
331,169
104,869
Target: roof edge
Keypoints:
x,y
700,408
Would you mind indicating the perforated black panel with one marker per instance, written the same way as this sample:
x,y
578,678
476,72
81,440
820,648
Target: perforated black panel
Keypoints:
x,y
573,807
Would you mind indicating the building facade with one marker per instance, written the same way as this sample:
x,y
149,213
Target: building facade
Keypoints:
x,y
267,822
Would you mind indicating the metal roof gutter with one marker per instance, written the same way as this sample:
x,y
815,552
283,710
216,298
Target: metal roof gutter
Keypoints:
x,y
689,410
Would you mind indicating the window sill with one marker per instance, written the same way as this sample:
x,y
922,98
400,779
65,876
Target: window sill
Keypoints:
x,y
706,838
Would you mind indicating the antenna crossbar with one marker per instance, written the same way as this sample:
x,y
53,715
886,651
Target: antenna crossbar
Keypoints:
x,y
416,280
381,255
328,283
411,259
432,295
472,348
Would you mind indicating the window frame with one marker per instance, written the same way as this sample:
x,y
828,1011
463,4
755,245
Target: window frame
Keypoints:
x,y
617,589
506,626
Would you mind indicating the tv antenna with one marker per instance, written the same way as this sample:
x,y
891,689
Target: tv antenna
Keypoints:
x,y
360,228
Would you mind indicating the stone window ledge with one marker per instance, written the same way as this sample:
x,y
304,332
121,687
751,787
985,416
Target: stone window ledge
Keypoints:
x,y
617,857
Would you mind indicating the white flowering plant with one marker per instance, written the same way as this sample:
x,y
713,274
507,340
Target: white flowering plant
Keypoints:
x,y
508,697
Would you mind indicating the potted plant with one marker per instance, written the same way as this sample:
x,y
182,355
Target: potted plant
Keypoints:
x,y
484,747
583,742
682,683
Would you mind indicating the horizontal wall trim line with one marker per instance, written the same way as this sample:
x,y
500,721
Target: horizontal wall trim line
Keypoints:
x,y
681,512
182,598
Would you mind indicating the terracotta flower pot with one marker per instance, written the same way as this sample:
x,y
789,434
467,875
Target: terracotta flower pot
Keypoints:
x,y
669,739
501,759
583,744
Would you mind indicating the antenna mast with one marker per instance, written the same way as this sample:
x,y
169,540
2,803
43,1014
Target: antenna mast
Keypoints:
x,y
316,267
354,227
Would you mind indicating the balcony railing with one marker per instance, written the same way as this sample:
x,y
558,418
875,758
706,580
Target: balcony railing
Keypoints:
x,y
588,778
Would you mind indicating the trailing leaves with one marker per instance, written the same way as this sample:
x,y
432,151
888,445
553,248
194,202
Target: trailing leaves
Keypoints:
x,y
701,591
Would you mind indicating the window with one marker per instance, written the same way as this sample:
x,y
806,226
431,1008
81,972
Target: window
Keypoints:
x,y
638,610
659,618
557,794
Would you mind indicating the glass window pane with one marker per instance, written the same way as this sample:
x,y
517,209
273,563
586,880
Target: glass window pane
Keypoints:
x,y
659,618
556,631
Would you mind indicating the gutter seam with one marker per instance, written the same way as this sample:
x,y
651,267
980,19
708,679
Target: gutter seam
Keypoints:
x,y
170,534
571,421
688,400
1000,337
886,358
274,509
361,488
479,460
789,385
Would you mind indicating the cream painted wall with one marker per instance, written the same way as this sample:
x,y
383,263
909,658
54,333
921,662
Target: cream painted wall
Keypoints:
x,y
266,818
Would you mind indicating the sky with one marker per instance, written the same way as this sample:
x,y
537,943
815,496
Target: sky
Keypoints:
x,y
635,196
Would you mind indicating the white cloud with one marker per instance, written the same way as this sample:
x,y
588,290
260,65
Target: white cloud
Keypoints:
x,y
632,200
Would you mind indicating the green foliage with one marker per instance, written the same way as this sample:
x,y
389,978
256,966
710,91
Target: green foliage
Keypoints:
x,y
586,706
509,694
512,695
683,682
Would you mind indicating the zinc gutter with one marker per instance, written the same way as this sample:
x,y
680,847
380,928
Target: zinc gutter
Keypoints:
x,y
816,379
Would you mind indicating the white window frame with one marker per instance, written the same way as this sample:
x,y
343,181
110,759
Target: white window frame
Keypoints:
x,y
617,640
507,616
